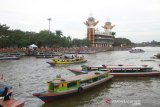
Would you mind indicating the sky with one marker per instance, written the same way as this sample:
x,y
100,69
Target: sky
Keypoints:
x,y
137,20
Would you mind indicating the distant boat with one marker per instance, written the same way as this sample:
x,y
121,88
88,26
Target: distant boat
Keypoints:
x,y
62,87
47,54
87,52
10,56
120,70
137,51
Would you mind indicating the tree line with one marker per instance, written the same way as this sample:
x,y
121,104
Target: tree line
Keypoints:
x,y
18,38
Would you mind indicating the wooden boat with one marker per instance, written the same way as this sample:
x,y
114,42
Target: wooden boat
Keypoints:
x,y
121,70
62,87
136,51
68,60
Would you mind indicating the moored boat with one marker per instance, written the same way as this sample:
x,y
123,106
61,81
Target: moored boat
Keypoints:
x,y
47,54
121,70
62,87
10,56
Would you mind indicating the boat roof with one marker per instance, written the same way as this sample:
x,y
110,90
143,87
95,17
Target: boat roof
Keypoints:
x,y
81,77
127,66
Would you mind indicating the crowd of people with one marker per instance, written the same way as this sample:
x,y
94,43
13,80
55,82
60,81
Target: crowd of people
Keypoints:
x,y
46,49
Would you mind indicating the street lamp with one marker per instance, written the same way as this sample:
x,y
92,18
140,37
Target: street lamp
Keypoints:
x,y
49,19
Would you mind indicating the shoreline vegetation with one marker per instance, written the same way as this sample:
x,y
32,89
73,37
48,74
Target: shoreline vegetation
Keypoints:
x,y
74,50
18,41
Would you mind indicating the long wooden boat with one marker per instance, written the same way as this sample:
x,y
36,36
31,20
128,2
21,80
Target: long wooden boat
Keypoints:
x,y
62,87
120,70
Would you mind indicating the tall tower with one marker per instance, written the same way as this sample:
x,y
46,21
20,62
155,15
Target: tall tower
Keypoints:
x,y
108,27
91,23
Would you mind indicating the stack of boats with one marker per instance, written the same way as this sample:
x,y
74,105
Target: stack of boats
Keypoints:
x,y
68,60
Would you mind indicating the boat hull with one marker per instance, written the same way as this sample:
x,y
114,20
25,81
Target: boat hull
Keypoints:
x,y
49,97
141,74
51,63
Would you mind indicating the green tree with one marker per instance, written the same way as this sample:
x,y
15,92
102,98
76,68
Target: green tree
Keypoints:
x,y
59,33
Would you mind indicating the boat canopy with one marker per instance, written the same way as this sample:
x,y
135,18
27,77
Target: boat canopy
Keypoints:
x,y
82,77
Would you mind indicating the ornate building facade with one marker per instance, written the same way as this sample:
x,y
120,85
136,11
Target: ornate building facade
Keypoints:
x,y
99,39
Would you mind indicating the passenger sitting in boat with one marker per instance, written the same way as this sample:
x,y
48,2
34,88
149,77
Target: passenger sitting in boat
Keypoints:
x,y
72,57
65,57
7,94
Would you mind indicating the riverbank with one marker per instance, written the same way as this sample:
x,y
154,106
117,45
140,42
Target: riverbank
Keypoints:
x,y
72,50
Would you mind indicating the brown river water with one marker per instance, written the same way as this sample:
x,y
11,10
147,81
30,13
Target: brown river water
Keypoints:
x,y
29,75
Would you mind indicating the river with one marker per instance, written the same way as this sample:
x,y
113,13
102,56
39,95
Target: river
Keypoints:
x,y
29,75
